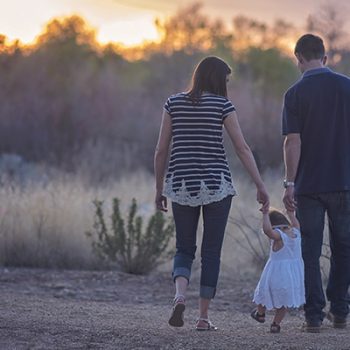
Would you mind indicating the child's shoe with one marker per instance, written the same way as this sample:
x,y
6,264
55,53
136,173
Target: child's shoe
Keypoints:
x,y
258,317
275,328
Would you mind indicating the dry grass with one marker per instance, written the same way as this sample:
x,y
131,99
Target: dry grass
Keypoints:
x,y
45,226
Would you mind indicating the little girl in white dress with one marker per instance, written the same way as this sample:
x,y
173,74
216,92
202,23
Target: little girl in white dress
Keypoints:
x,y
281,284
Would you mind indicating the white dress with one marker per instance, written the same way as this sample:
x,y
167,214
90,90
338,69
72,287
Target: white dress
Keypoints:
x,y
282,280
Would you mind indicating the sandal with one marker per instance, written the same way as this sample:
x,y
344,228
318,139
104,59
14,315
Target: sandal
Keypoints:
x,y
275,328
177,314
258,317
208,325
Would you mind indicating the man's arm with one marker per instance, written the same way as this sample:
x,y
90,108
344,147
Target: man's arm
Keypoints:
x,y
291,148
292,218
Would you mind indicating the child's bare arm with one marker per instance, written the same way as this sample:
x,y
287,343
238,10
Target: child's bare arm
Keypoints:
x,y
267,228
294,221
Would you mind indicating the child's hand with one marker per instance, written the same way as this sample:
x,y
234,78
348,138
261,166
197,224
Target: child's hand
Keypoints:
x,y
264,210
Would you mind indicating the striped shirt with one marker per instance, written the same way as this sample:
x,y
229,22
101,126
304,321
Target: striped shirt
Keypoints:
x,y
198,171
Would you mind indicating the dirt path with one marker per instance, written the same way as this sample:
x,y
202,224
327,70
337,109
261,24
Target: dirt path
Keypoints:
x,y
45,309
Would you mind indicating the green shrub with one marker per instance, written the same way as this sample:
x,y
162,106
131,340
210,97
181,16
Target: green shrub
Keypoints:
x,y
134,250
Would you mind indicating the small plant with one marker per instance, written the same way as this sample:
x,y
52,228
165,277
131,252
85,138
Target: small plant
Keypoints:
x,y
250,238
126,244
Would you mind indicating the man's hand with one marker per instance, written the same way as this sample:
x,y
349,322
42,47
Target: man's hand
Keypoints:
x,y
292,150
289,200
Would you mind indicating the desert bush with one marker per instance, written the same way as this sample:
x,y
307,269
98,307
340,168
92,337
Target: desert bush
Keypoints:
x,y
43,219
250,238
134,250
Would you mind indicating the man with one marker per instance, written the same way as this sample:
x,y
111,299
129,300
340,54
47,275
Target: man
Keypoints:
x,y
316,123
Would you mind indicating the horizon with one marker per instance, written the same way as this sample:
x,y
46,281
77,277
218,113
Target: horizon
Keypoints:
x,y
132,22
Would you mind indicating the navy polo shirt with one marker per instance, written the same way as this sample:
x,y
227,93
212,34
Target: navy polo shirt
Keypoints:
x,y
318,108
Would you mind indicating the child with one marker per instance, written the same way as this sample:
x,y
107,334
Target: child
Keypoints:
x,y
281,283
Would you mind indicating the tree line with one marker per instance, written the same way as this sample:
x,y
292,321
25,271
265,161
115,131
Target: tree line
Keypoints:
x,y
68,101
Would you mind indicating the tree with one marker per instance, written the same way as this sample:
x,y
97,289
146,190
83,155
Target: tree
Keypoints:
x,y
329,22
192,31
248,32
72,29
265,74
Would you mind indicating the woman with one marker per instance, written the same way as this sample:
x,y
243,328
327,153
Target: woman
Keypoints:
x,y
198,177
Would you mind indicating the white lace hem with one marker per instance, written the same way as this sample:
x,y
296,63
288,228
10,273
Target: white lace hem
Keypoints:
x,y
292,297
204,196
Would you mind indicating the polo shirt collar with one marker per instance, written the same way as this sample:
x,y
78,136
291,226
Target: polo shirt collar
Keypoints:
x,y
316,71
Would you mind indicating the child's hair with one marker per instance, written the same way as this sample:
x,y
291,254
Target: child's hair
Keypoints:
x,y
278,218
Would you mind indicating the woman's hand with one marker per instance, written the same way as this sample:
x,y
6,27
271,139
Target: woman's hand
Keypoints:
x,y
263,198
161,202
264,210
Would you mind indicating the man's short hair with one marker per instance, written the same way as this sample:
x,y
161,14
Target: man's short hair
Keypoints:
x,y
310,46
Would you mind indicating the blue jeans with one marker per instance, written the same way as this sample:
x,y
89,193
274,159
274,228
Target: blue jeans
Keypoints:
x,y
311,214
186,218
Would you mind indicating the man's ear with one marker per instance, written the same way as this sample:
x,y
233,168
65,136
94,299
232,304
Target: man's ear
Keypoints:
x,y
299,58
324,60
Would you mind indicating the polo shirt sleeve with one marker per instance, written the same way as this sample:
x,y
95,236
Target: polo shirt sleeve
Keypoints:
x,y
290,117
227,109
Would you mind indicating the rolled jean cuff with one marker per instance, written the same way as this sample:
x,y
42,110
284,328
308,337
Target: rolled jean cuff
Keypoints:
x,y
183,272
207,292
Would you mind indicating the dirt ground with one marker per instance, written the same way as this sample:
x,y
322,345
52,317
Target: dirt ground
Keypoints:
x,y
48,309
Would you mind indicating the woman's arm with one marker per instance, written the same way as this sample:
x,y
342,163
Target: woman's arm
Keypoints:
x,y
160,158
246,157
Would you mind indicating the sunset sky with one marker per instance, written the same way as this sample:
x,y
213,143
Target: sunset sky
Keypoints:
x,y
132,21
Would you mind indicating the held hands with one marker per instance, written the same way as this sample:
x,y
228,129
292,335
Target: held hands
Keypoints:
x,y
289,200
161,202
263,198
264,210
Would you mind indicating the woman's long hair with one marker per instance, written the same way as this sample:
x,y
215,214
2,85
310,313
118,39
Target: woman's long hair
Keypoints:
x,y
209,76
